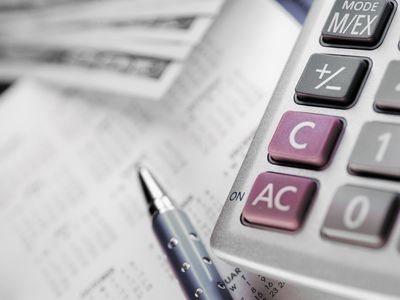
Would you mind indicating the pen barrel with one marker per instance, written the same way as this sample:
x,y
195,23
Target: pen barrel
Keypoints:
x,y
188,257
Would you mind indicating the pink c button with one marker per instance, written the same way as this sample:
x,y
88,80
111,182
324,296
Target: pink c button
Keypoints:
x,y
305,138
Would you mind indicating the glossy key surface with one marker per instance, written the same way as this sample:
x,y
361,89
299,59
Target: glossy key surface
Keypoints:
x,y
360,216
387,98
279,201
360,23
305,138
377,150
331,80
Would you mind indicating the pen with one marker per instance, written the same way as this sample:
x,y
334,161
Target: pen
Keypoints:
x,y
187,255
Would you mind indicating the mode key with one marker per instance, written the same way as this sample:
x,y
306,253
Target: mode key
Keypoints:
x,y
357,23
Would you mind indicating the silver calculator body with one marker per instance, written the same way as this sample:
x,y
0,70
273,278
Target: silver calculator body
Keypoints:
x,y
326,217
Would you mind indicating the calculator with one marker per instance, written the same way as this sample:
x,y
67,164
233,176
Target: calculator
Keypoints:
x,y
316,199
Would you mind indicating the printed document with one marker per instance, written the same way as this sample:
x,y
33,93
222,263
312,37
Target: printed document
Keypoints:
x,y
73,220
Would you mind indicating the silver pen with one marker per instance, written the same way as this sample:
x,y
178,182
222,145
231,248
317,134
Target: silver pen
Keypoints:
x,y
187,255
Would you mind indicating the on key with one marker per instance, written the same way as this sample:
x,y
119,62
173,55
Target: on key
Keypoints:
x,y
357,23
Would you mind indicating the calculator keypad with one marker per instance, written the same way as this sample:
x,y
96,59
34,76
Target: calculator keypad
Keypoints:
x,y
377,150
331,80
360,216
356,215
360,23
305,138
388,96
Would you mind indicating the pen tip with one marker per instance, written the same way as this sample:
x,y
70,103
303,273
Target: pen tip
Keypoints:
x,y
140,169
145,176
156,199
150,186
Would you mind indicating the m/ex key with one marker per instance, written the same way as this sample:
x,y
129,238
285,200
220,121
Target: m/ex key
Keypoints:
x,y
357,22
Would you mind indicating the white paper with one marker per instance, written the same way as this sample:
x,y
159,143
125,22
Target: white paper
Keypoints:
x,y
89,68
109,42
138,9
169,31
100,11
140,61
73,221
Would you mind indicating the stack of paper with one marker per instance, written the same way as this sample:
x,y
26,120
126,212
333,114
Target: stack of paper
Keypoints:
x,y
73,220
130,47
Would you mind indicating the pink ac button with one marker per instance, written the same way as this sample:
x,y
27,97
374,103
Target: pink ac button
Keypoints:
x,y
305,138
279,201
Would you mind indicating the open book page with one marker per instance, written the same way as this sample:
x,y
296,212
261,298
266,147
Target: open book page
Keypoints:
x,y
73,221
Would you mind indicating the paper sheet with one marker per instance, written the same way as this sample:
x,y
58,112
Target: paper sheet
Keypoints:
x,y
135,48
73,223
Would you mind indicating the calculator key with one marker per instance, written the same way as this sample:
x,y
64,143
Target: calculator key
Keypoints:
x,y
388,96
377,150
331,80
360,216
279,201
355,22
305,138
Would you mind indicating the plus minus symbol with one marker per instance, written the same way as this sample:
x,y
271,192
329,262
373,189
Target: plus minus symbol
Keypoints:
x,y
323,71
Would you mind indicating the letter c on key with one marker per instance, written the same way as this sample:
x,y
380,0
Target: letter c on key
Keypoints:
x,y
292,136
278,197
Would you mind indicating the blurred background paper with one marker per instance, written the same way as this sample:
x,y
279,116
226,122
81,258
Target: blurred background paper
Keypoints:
x,y
133,48
73,223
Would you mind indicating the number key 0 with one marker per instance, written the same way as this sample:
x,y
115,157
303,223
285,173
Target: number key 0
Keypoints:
x,y
360,216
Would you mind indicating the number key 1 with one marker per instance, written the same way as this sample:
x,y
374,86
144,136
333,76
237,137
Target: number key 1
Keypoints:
x,y
377,150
